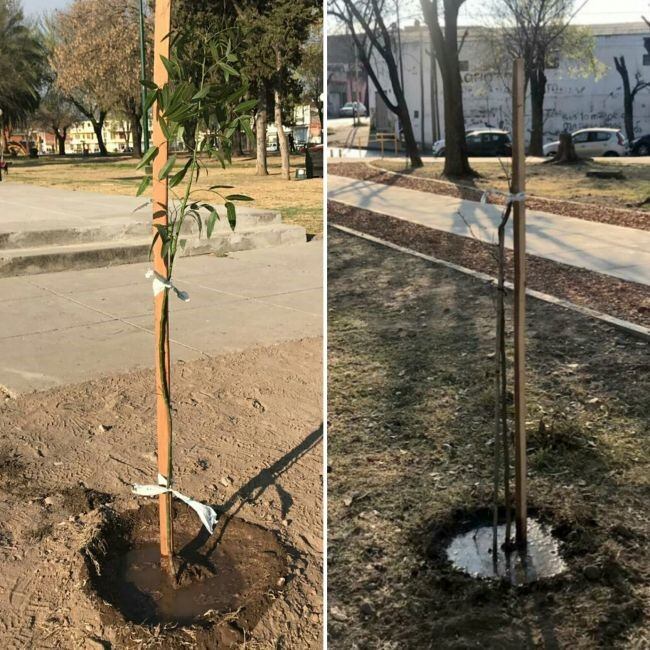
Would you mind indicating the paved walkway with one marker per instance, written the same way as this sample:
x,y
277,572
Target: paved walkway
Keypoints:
x,y
613,250
60,328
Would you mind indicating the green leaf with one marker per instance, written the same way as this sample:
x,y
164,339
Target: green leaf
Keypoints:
x,y
148,157
144,184
202,92
170,66
232,215
246,106
210,222
238,197
147,83
221,187
167,167
179,175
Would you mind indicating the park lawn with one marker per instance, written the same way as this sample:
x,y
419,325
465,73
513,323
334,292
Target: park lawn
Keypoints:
x,y
566,182
300,202
410,395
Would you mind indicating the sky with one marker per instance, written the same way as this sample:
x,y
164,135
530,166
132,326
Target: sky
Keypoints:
x,y
595,11
36,7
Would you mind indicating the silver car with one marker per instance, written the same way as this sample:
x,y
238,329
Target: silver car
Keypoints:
x,y
353,108
594,142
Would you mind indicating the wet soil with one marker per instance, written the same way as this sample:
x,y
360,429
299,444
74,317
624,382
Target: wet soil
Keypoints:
x,y
247,440
410,403
221,584
472,552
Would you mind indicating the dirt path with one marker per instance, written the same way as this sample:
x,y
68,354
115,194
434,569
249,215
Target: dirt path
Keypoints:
x,y
603,204
627,300
247,437
410,412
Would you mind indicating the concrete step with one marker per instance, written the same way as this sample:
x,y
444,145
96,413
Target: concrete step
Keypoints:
x,y
92,254
125,226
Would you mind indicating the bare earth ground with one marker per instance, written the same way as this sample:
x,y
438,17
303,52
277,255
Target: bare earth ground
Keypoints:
x,y
627,300
411,417
247,438
563,190
299,202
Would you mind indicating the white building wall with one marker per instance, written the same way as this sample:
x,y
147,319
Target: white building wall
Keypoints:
x,y
572,101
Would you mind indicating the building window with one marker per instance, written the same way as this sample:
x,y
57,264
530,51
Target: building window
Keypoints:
x,y
646,59
464,66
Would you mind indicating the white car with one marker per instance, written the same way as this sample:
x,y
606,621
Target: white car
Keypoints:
x,y
594,142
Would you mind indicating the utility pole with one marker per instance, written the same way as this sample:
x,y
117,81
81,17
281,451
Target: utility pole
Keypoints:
x,y
421,91
143,72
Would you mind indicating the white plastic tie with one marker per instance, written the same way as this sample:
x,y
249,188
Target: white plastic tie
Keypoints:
x,y
510,198
206,514
160,284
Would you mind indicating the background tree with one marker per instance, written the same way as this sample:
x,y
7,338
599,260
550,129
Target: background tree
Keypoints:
x,y
22,66
445,47
365,21
310,72
56,114
97,63
539,32
630,91
287,27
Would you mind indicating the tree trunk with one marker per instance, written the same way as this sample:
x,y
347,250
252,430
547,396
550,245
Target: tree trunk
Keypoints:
x,y
537,93
261,168
566,151
285,154
321,120
98,125
628,98
282,138
136,134
456,163
410,143
444,44
60,139
238,144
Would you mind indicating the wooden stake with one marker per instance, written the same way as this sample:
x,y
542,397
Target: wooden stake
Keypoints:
x,y
161,313
519,226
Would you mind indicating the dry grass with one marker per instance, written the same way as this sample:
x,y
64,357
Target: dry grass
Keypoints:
x,y
300,202
410,411
552,181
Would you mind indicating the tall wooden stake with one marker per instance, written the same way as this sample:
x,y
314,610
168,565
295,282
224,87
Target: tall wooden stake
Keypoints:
x,y
519,226
161,314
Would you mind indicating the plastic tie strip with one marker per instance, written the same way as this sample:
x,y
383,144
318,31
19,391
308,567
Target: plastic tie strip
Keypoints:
x,y
160,284
206,514
510,198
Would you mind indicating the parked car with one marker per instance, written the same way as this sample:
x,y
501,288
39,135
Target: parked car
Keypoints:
x,y
481,142
594,142
641,146
348,110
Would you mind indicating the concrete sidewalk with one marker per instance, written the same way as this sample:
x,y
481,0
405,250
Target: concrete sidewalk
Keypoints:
x,y
60,328
613,250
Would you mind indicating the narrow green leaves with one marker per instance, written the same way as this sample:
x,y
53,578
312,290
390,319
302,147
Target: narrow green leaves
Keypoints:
x,y
144,184
149,155
232,214
167,167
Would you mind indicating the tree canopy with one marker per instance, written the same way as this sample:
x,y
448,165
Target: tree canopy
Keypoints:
x,y
22,64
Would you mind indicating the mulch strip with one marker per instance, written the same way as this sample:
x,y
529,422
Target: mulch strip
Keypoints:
x,y
627,300
589,212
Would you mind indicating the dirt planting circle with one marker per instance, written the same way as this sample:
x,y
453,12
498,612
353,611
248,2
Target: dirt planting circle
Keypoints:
x,y
223,583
